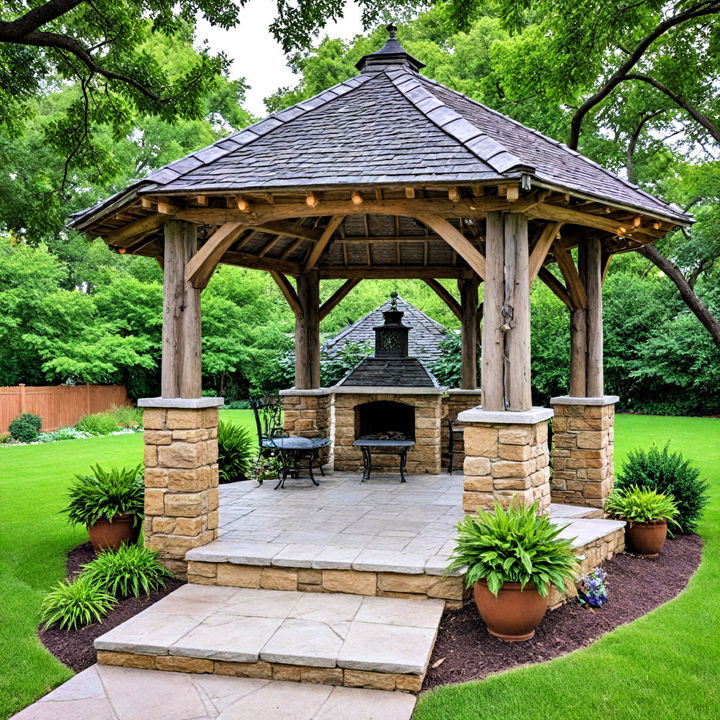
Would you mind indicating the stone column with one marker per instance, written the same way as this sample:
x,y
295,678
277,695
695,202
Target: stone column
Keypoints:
x,y
181,476
582,449
506,455
455,401
308,413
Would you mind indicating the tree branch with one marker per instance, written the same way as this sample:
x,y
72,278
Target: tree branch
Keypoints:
x,y
695,304
632,143
14,30
695,11
692,110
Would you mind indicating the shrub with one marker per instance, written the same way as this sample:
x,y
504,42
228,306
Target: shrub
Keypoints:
x,y
237,405
516,546
98,424
236,448
131,570
638,505
106,493
127,417
671,474
73,604
66,433
25,428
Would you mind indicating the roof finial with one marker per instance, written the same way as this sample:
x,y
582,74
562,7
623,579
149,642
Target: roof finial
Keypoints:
x,y
392,29
393,302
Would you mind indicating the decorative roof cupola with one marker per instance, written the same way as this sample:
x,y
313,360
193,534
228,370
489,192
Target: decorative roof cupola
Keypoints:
x,y
391,55
391,338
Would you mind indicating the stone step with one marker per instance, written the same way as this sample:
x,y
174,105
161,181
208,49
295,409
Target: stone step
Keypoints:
x,y
561,510
102,692
330,639
314,568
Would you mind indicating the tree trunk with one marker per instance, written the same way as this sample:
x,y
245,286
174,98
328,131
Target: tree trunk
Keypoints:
x,y
686,292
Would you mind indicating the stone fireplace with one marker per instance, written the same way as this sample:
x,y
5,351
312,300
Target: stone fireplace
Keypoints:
x,y
384,420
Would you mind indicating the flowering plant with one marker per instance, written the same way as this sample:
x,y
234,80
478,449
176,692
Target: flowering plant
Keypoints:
x,y
265,468
592,588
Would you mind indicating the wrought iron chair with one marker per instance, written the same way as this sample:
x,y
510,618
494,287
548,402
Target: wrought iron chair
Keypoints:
x,y
456,444
268,420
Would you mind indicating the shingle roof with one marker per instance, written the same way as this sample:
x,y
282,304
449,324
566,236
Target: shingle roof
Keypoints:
x,y
389,125
424,337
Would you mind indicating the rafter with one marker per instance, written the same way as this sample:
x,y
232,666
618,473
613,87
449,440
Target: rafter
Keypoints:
x,y
321,244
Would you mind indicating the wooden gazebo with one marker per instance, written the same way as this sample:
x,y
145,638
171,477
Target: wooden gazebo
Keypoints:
x,y
386,175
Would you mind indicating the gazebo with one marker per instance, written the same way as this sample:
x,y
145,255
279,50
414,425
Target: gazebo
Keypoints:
x,y
387,175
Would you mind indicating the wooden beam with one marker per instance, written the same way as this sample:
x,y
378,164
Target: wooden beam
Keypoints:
x,y
291,229
135,228
407,207
606,260
593,286
289,293
570,273
469,317
337,297
493,342
578,352
202,265
556,286
444,294
181,340
562,214
287,267
541,248
457,241
392,272
321,244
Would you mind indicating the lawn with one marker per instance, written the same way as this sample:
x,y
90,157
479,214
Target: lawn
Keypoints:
x,y
34,540
663,665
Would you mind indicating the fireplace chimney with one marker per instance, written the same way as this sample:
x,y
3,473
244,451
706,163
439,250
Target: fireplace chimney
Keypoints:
x,y
391,338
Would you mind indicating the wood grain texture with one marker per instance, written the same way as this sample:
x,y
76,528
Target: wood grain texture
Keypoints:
x,y
202,265
541,248
594,313
469,317
307,332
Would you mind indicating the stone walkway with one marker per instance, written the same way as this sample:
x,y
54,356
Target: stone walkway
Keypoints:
x,y
113,693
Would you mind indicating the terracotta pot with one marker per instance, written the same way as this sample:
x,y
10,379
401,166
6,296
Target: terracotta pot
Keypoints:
x,y
111,534
514,614
646,538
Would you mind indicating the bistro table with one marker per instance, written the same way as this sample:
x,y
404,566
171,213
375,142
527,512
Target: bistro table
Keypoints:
x,y
291,451
367,445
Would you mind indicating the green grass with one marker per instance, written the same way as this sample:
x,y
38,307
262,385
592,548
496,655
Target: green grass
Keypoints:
x,y
34,539
664,665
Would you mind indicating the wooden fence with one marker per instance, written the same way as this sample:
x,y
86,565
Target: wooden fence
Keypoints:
x,y
58,405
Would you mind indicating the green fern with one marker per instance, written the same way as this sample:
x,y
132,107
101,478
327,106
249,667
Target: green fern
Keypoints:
x,y
637,505
516,546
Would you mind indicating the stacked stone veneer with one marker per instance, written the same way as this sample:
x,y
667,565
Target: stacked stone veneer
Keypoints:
x,y
424,457
353,582
455,402
506,455
308,413
181,479
582,453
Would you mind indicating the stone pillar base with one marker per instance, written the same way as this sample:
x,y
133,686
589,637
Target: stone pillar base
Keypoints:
x,y
181,476
506,455
582,451
308,413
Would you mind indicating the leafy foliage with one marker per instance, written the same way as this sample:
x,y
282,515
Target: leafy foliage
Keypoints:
x,y
669,473
66,433
516,546
71,605
265,467
25,428
97,424
448,367
130,570
236,449
106,493
638,505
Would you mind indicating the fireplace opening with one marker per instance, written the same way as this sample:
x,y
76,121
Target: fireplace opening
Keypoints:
x,y
384,420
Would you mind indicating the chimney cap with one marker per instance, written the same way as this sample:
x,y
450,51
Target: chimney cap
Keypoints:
x,y
392,53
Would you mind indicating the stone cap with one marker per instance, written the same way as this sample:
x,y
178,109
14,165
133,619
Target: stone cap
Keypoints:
x,y
181,403
570,400
506,417
385,390
312,392
464,391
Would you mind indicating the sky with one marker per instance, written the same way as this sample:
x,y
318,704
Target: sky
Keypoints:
x,y
257,56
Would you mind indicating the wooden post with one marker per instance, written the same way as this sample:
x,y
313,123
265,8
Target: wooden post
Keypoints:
x,y
493,343
469,309
593,289
307,332
518,394
181,351
578,345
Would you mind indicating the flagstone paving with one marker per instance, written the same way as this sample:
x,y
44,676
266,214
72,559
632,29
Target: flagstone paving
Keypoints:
x,y
389,635
113,693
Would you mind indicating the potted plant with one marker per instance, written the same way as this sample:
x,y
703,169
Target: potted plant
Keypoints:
x,y
110,504
512,557
647,513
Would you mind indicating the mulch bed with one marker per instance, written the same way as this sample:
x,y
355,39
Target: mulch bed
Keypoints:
x,y
466,651
75,648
